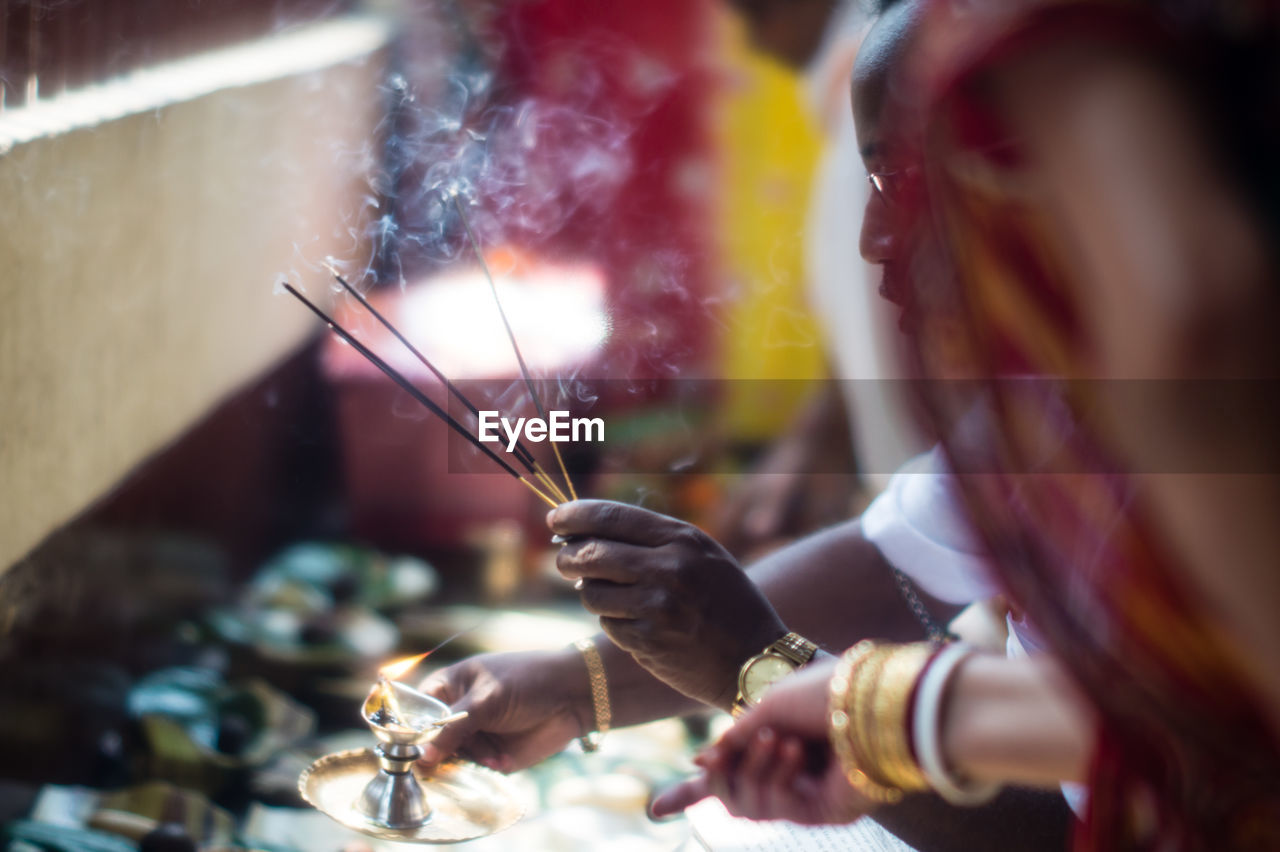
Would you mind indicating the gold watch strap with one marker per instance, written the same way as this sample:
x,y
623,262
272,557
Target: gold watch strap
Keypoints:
x,y
795,648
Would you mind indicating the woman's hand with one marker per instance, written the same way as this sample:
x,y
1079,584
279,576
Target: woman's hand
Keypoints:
x,y
524,707
666,593
776,762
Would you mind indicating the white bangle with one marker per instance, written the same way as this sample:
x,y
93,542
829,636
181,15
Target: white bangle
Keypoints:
x,y
926,731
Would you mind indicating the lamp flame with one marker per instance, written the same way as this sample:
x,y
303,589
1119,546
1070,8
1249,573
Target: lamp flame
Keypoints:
x,y
396,668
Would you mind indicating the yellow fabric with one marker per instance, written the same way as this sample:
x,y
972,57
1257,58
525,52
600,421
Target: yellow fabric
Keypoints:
x,y
770,149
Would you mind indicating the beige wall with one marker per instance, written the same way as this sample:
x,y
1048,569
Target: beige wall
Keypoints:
x,y
137,259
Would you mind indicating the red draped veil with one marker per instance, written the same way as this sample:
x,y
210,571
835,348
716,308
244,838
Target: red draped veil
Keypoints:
x,y
1185,760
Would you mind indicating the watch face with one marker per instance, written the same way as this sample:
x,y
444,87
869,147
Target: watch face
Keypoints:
x,y
761,673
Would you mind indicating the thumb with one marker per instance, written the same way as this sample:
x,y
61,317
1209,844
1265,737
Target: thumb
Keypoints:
x,y
677,798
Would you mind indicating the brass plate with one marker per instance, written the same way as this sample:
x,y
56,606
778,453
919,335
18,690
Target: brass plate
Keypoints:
x,y
467,800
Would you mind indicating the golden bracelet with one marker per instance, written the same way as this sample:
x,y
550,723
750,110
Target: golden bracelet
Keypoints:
x,y
891,706
840,722
601,710
870,693
864,736
842,725
882,696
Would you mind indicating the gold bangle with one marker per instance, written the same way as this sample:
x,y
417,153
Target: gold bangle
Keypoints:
x,y
864,737
601,710
891,706
839,722
843,725
870,693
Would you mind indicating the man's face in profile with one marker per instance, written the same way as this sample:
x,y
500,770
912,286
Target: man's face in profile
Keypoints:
x,y
894,178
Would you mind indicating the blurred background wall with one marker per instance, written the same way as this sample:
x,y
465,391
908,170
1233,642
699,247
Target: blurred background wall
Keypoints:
x,y
163,165
160,169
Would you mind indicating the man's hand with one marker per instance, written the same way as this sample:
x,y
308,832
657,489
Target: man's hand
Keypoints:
x,y
666,593
776,762
524,707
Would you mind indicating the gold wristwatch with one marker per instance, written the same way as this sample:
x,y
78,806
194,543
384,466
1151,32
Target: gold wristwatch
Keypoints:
x,y
771,665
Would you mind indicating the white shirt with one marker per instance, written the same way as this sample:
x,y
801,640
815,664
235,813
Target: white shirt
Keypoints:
x,y
919,527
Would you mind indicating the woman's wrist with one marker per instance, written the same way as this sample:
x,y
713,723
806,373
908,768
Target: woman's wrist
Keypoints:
x,y
975,708
885,703
1016,721
869,726
930,691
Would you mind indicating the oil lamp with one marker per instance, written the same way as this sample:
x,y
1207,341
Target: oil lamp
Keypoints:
x,y
379,792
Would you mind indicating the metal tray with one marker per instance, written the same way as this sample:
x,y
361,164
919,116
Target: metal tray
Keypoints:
x,y
467,800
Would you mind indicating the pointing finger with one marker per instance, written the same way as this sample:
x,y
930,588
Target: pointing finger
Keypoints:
x,y
679,797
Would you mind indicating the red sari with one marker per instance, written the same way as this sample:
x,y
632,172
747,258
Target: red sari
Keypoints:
x,y
1185,759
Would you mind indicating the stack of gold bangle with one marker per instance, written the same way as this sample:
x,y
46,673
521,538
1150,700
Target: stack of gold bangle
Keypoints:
x,y
870,701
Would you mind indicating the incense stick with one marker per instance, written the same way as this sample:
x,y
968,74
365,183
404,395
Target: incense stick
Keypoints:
x,y
452,717
546,480
521,451
386,323
418,395
524,369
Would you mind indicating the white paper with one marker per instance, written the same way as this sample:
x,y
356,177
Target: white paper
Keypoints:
x,y
719,831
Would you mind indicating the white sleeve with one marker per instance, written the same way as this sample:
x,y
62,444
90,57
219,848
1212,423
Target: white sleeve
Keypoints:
x,y
918,525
